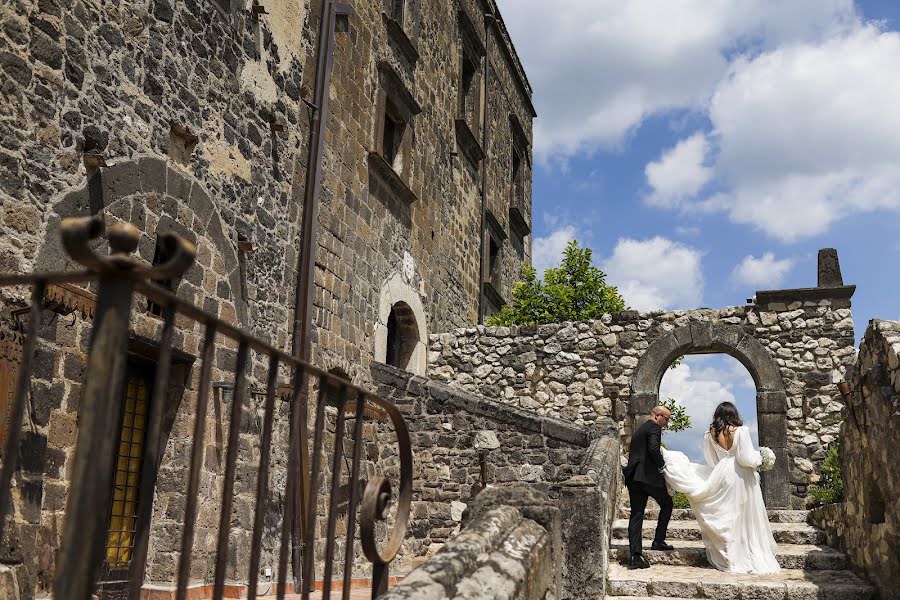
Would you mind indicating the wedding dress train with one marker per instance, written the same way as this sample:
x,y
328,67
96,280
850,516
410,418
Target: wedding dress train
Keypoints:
x,y
727,503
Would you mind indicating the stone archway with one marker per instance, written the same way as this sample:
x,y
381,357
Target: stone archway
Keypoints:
x,y
156,197
705,337
401,327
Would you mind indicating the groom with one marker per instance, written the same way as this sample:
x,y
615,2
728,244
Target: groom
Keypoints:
x,y
644,479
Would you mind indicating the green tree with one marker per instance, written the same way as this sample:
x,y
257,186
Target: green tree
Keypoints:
x,y
575,290
680,420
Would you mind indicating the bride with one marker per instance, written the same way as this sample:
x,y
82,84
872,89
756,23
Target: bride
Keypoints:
x,y
725,496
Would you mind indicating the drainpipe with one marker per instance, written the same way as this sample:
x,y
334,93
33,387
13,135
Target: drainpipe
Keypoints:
x,y
489,20
305,286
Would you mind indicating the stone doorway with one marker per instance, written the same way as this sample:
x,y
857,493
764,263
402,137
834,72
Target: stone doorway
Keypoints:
x,y
771,399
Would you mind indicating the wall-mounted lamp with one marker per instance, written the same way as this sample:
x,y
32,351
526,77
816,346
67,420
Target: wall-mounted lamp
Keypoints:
x,y
847,394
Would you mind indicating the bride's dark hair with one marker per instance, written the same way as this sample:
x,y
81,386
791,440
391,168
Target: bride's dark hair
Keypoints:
x,y
726,416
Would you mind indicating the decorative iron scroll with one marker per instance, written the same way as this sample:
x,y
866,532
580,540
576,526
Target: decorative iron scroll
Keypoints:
x,y
120,276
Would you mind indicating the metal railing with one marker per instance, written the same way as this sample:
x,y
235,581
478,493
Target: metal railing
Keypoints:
x,y
120,277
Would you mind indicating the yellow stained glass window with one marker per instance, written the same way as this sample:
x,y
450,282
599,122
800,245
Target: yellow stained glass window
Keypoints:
x,y
123,518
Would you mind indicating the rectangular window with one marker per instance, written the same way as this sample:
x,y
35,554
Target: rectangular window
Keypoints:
x,y
392,137
517,185
126,485
160,256
467,100
389,151
517,241
493,255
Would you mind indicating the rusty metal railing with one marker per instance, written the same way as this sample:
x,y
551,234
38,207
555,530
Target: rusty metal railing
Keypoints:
x,y
119,278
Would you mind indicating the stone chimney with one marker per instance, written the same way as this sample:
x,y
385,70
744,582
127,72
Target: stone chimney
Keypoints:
x,y
829,269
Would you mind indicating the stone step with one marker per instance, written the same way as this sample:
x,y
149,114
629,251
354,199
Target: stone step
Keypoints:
x,y
697,582
693,554
785,533
776,515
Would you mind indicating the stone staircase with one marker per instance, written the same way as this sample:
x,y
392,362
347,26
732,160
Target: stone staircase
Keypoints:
x,y
810,570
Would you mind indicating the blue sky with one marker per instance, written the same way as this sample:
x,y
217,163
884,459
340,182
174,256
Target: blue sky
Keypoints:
x,y
705,149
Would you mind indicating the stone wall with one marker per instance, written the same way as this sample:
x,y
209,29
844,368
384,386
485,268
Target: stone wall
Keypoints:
x,y
461,444
867,524
795,343
188,117
588,505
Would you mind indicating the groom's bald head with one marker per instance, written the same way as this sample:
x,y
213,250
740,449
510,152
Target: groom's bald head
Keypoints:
x,y
660,415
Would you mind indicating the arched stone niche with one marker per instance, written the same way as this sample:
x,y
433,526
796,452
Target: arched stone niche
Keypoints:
x,y
400,312
705,337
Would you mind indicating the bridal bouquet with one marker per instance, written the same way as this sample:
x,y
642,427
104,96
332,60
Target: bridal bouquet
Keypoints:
x,y
768,459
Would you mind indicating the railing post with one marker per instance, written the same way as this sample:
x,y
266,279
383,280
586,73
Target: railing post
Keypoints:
x,y
100,416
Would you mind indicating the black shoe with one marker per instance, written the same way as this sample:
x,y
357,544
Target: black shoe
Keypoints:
x,y
638,561
662,546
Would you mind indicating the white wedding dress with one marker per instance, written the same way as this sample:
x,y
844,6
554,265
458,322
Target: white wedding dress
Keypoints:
x,y
727,503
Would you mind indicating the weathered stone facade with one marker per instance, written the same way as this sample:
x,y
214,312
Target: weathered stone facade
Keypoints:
x,y
867,524
796,344
412,234
189,117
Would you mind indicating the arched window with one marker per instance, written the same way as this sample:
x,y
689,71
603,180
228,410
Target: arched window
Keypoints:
x,y
402,335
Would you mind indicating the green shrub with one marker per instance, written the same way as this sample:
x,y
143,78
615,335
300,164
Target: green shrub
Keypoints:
x,y
830,488
680,500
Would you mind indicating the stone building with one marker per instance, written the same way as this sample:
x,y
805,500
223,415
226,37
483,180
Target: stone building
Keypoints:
x,y
192,117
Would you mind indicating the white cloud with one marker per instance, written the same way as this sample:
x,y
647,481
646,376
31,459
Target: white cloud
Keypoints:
x,y
600,67
656,273
699,384
548,251
808,134
680,172
765,272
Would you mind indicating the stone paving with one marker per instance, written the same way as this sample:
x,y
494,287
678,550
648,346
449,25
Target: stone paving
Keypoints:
x,y
810,571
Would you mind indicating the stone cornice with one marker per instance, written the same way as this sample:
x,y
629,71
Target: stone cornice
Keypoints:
x,y
843,292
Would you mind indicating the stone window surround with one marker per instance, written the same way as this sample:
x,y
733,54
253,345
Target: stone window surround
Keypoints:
x,y
397,32
470,103
493,231
518,208
398,289
394,101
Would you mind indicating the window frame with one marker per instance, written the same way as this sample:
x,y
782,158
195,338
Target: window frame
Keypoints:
x,y
397,104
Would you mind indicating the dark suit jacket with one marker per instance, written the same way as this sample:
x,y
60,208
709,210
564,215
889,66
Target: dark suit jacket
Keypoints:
x,y
644,456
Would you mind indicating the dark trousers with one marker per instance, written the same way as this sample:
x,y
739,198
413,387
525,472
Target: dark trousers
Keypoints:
x,y
638,494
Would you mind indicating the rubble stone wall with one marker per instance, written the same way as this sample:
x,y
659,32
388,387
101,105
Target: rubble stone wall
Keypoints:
x,y
796,344
867,524
461,444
